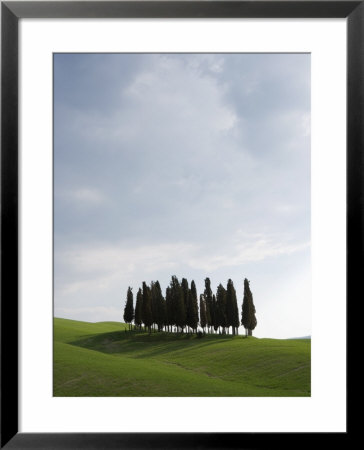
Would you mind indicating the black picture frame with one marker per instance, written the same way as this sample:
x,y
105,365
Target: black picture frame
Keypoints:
x,y
11,12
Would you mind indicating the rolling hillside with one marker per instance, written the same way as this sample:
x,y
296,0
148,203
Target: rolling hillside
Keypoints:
x,y
101,359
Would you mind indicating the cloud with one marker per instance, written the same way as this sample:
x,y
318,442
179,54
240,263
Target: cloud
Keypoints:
x,y
244,253
169,105
88,196
82,196
95,268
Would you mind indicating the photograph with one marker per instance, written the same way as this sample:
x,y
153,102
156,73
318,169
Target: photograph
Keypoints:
x,y
182,225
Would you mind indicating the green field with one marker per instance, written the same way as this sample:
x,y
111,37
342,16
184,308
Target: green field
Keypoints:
x,y
101,359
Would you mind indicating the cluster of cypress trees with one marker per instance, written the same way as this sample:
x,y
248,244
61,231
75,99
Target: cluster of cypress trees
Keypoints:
x,y
219,312
178,310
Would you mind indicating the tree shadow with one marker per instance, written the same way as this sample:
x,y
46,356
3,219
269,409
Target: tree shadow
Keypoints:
x,y
143,345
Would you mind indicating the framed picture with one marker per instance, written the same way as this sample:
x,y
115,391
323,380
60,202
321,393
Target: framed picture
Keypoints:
x,y
193,78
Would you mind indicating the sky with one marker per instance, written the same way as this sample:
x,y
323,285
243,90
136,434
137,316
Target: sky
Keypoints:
x,y
194,165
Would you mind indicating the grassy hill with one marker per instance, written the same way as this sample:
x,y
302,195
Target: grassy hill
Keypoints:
x,y
101,359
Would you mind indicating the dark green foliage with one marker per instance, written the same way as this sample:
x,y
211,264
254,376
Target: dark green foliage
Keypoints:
x,y
214,314
186,294
138,308
248,319
221,306
203,317
175,298
163,314
185,291
236,321
179,303
129,307
169,308
245,307
175,304
232,311
208,301
158,305
153,302
147,307
192,314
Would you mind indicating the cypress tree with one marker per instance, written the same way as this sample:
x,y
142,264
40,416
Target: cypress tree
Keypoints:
x,y
158,306
163,314
203,316
208,301
186,300
153,303
245,307
236,321
248,319
189,311
221,306
147,307
169,308
175,297
179,305
214,314
129,308
138,309
232,312
193,314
